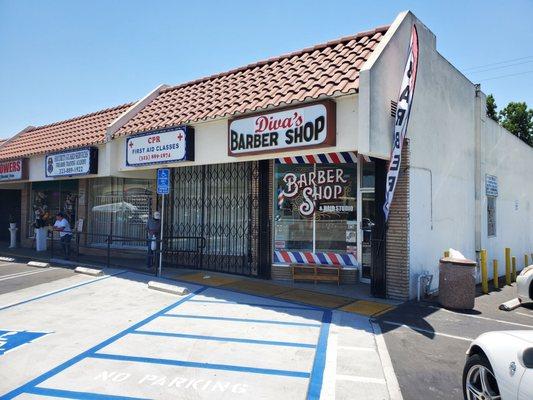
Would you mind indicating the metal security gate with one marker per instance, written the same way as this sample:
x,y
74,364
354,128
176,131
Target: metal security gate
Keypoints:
x,y
221,207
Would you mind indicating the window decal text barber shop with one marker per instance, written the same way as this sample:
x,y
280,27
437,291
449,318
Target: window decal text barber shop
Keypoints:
x,y
322,185
306,126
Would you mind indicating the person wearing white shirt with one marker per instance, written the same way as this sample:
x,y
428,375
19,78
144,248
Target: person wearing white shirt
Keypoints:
x,y
65,233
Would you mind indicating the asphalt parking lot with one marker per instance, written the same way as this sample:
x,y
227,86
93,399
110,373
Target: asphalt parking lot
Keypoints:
x,y
427,344
65,335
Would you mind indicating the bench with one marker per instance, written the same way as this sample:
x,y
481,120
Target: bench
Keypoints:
x,y
316,273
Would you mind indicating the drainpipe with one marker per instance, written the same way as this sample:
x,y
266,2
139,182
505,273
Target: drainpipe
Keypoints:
x,y
478,112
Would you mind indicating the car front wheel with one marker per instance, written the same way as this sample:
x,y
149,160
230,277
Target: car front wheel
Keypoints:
x,y
479,382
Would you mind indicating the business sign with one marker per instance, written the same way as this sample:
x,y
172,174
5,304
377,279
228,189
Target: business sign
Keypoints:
x,y
161,146
491,185
72,162
163,181
13,170
306,126
405,101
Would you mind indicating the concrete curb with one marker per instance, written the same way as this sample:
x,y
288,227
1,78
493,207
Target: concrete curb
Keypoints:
x,y
168,288
38,264
388,370
89,271
8,259
510,305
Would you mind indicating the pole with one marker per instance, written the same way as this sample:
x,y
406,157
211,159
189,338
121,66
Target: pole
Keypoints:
x,y
507,265
161,235
513,269
495,273
484,275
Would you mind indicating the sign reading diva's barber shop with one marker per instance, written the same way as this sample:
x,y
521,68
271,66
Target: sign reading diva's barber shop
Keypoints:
x,y
14,170
305,126
73,162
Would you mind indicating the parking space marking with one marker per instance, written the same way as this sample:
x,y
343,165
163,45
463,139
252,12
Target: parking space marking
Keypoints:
x,y
524,314
224,339
415,328
319,363
59,291
255,321
193,364
362,379
483,318
25,273
69,394
287,307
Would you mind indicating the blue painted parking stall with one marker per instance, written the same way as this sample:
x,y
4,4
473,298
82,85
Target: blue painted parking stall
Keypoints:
x,y
210,344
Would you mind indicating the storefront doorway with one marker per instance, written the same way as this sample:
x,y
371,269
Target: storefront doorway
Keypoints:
x,y
224,206
10,213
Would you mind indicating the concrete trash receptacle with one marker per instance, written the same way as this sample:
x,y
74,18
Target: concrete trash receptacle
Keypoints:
x,y
457,283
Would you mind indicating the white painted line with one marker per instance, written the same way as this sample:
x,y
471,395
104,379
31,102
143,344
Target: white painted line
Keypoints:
x,y
386,364
356,348
524,314
5,263
483,318
168,288
38,264
22,274
330,369
427,331
89,271
360,379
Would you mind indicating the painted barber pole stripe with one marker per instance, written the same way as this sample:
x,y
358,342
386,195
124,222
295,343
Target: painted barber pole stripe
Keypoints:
x,y
307,257
343,157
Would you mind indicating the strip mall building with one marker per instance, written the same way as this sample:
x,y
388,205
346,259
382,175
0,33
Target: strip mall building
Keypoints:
x,y
285,161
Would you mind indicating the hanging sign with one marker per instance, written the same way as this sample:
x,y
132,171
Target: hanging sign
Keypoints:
x,y
306,126
405,100
72,162
14,170
161,146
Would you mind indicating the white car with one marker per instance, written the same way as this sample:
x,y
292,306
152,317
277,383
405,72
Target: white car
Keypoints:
x,y
499,365
524,285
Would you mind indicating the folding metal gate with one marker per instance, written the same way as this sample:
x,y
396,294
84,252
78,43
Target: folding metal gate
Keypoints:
x,y
226,206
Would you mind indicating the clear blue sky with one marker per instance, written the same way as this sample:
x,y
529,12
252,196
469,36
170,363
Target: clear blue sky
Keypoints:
x,y
60,58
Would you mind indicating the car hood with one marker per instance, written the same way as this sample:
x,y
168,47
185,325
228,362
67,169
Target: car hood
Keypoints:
x,y
526,336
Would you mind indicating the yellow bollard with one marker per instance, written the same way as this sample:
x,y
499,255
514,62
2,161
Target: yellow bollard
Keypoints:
x,y
513,268
525,260
447,253
484,275
495,272
507,265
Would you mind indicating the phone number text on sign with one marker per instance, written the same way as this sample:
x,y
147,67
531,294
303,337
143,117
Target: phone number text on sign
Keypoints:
x,y
165,146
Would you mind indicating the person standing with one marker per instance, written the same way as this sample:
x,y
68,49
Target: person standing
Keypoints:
x,y
65,233
153,228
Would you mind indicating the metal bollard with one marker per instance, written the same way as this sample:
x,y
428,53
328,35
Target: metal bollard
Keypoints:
x,y
507,265
513,269
495,272
484,275
525,260
447,253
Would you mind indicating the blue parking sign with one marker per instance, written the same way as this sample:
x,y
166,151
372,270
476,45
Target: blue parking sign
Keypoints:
x,y
163,181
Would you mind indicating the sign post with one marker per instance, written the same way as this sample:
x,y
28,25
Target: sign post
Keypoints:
x,y
163,178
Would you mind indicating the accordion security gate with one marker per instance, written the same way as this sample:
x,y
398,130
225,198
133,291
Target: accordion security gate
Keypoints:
x,y
221,207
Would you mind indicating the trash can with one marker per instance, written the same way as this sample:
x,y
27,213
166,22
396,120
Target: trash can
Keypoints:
x,y
457,283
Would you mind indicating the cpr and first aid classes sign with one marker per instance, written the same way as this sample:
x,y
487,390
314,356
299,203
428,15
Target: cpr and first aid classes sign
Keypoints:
x,y
162,146
305,126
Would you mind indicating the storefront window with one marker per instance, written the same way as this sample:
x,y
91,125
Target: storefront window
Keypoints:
x,y
316,207
51,197
119,207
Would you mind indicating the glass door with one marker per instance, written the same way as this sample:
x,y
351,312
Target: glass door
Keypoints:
x,y
368,214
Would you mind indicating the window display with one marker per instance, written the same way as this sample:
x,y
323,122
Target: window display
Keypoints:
x,y
316,208
49,198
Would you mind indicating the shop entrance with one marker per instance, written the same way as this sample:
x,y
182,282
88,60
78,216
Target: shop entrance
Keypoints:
x,y
10,213
224,209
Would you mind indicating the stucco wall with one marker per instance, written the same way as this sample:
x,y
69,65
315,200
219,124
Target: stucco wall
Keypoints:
x,y
511,160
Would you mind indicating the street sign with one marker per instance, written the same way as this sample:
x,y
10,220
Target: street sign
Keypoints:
x,y
163,178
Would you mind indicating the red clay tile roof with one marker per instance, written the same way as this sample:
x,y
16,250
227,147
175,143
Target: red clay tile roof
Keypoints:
x,y
328,69
76,132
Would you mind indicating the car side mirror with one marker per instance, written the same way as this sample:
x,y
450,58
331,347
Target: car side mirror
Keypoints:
x,y
527,357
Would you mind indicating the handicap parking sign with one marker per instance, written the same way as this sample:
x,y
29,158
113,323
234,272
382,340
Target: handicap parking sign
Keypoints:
x,y
163,179
12,339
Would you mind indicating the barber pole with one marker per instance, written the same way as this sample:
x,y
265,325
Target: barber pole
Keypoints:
x,y
405,101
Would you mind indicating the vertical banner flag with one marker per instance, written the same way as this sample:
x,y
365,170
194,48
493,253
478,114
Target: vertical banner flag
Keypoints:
x,y
405,100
